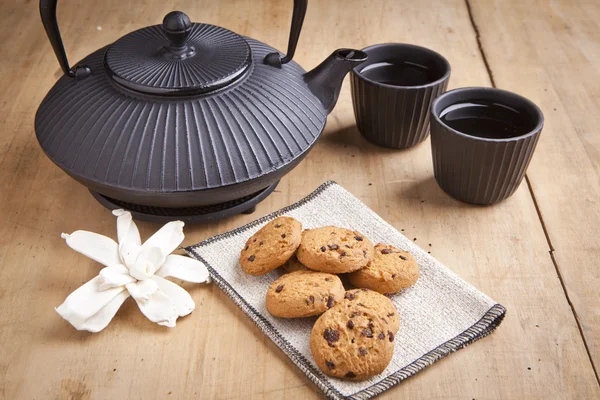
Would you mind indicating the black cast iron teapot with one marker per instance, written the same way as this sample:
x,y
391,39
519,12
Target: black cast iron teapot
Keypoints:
x,y
184,114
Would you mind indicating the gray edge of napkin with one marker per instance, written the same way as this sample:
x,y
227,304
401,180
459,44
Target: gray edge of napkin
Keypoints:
x,y
486,325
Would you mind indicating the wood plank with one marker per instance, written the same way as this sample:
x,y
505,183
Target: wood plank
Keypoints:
x,y
549,51
217,352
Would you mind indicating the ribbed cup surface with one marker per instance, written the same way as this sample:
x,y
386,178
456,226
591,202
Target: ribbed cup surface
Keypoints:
x,y
393,116
397,116
480,170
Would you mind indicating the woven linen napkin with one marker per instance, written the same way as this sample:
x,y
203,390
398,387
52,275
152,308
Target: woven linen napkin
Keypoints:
x,y
439,315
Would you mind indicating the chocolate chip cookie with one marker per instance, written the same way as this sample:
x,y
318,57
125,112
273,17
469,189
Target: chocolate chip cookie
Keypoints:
x,y
368,299
303,294
293,265
352,342
334,250
271,246
390,271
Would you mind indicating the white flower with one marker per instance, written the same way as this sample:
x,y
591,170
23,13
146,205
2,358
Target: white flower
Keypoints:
x,y
132,269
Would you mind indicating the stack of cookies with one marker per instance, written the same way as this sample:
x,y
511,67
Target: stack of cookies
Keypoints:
x,y
354,336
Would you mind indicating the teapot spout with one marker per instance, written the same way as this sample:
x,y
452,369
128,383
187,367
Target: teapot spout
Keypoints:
x,y
325,80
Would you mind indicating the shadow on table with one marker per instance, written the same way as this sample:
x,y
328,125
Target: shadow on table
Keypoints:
x,y
425,191
428,192
350,136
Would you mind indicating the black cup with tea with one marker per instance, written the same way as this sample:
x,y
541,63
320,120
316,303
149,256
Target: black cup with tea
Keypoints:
x,y
482,141
393,90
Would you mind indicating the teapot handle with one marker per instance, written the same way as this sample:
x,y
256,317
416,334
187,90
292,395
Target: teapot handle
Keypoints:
x,y
48,14
275,59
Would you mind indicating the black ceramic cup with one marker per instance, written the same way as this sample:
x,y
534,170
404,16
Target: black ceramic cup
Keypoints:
x,y
482,141
393,90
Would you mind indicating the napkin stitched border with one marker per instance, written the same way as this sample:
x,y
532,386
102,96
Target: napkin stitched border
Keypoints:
x,y
486,325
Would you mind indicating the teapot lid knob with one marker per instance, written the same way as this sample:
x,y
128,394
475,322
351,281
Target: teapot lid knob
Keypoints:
x,y
177,27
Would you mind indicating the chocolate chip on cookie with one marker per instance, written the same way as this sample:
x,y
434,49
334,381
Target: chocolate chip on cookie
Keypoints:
x,y
390,271
331,335
334,250
330,301
271,246
303,294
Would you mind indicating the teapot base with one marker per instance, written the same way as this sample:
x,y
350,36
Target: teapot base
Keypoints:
x,y
189,215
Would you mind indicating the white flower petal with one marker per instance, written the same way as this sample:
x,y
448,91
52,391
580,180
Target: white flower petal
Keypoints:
x,y
167,238
126,228
97,247
102,318
147,262
178,295
158,308
128,235
114,276
142,290
129,253
184,268
86,301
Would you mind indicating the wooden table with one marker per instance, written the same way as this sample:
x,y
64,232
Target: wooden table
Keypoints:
x,y
537,253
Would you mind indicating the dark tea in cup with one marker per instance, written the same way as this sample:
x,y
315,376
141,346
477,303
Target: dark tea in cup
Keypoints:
x,y
400,73
488,119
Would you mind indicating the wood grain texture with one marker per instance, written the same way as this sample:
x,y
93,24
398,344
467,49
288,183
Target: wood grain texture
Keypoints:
x,y
217,352
549,51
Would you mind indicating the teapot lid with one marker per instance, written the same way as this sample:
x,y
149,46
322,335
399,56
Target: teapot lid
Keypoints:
x,y
178,57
